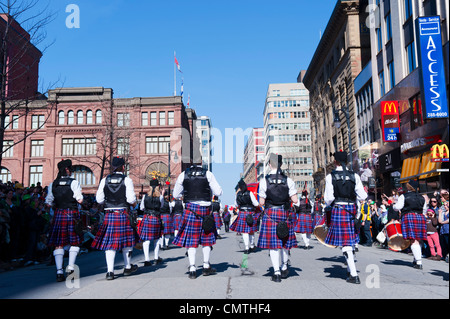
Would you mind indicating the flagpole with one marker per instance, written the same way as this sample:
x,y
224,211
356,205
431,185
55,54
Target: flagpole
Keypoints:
x,y
174,76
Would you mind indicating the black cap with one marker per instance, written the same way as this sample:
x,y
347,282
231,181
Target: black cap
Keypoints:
x,y
117,162
341,156
154,182
64,163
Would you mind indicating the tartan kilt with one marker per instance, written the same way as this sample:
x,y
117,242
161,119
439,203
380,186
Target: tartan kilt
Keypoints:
x,y
303,224
268,238
177,220
62,229
149,228
218,220
168,224
240,224
115,233
191,233
342,228
414,226
317,218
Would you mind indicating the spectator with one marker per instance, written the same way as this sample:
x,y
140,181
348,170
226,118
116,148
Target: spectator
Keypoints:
x,y
443,220
366,239
433,235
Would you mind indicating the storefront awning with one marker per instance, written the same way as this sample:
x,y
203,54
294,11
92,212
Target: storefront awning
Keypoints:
x,y
420,167
429,168
410,168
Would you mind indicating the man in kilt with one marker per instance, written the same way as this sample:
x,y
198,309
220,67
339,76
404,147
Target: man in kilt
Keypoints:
x,y
276,191
167,220
215,207
197,186
304,222
116,193
246,221
177,212
65,195
413,208
342,189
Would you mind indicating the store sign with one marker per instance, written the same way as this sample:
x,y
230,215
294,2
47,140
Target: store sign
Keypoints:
x,y
390,161
439,153
390,121
418,142
432,67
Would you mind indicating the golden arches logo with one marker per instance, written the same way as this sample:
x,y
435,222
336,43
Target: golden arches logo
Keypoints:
x,y
390,105
440,153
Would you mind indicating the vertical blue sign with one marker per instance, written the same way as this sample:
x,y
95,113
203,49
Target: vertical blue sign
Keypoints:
x,y
434,94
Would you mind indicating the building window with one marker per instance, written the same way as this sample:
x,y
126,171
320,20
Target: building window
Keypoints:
x,y
388,27
162,118
382,84
15,122
144,119
61,117
275,92
123,146
98,117
415,105
70,118
83,175
151,145
80,119
171,118
6,126
89,117
8,149
153,118
78,146
163,144
391,75
37,148
35,174
37,122
379,40
123,119
411,56
408,9
5,175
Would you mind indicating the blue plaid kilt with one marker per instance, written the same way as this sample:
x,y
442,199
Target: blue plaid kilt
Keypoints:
x,y
177,220
62,229
191,233
303,224
115,233
317,218
149,228
414,226
240,224
342,228
168,224
268,238
218,220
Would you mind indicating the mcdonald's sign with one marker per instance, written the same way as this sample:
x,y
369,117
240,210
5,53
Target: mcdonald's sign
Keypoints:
x,y
439,153
390,120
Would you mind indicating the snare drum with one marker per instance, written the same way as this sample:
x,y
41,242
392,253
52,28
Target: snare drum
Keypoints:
x,y
321,231
138,226
396,242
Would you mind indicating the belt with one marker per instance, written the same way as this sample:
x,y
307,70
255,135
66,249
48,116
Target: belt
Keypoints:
x,y
246,209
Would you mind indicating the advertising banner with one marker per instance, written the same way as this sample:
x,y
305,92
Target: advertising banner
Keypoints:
x,y
390,121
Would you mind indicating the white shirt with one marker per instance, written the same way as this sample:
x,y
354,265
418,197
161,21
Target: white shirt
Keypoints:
x,y
74,186
401,203
215,188
131,196
252,197
329,190
290,184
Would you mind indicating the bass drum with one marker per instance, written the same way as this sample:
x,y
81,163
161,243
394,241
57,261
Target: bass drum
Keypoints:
x,y
396,242
321,230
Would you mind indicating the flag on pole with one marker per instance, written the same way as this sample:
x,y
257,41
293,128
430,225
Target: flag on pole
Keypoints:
x,y
189,100
182,86
178,64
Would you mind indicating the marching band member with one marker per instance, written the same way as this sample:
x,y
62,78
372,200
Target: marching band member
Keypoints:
x,y
342,189
413,207
150,228
304,222
215,207
197,185
65,194
177,206
246,203
276,191
167,220
116,193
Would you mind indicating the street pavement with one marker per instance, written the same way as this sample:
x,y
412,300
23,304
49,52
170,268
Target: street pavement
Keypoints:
x,y
318,273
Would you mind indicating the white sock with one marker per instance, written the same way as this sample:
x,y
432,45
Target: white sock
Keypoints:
x,y
110,256
351,266
275,258
246,239
146,249
417,253
157,247
161,241
191,255
167,238
175,232
284,258
206,255
59,256
305,239
252,241
73,253
126,252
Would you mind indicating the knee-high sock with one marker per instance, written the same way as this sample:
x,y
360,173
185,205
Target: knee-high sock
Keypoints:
x,y
126,252
252,241
167,239
59,257
275,258
351,266
284,258
417,252
191,255
146,249
175,232
157,247
110,255
305,239
246,239
73,253
206,255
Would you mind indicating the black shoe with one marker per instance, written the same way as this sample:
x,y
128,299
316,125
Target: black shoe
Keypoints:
x,y
157,261
192,274
246,252
109,276
276,278
60,277
209,271
417,266
127,272
147,263
285,273
353,280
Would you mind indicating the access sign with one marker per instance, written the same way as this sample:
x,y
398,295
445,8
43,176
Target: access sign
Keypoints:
x,y
390,121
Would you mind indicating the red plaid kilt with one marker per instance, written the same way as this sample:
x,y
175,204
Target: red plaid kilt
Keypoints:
x,y
303,224
218,220
414,226
317,218
149,228
115,233
168,224
268,238
177,220
62,229
240,224
342,229
191,233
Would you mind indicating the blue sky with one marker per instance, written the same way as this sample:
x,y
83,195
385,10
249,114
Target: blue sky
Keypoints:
x,y
229,52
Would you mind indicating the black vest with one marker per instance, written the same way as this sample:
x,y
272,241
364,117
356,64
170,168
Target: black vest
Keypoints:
x,y
317,207
244,200
165,207
413,203
305,206
343,192
115,191
196,185
63,194
178,207
215,207
151,204
277,193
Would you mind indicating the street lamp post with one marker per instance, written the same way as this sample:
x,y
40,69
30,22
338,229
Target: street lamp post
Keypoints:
x,y
337,124
175,158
